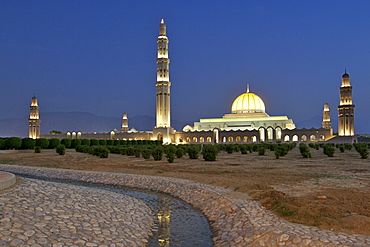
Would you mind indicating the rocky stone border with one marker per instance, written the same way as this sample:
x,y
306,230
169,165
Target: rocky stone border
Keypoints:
x,y
6,180
235,221
41,213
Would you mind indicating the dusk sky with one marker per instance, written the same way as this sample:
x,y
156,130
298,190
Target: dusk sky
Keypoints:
x,y
99,56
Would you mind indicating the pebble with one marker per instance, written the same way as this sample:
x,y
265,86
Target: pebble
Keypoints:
x,y
234,221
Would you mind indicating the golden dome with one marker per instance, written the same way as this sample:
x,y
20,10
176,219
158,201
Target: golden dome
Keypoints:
x,y
248,103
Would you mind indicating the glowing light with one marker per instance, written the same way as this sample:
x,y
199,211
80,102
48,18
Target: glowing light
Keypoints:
x,y
248,103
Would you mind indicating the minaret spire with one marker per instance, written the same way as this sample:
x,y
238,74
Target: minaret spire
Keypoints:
x,y
346,114
247,88
34,120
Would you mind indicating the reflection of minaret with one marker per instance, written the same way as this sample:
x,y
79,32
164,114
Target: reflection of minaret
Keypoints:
x,y
163,80
326,123
34,120
346,115
164,218
124,126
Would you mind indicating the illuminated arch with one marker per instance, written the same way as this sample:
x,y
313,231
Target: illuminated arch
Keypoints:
x,y
295,138
303,138
286,138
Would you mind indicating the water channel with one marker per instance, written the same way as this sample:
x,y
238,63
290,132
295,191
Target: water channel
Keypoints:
x,y
177,223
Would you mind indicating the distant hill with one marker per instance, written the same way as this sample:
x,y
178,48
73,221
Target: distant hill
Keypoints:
x,y
77,121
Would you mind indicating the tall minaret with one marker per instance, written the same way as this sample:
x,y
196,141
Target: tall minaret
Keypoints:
x,y
163,80
346,115
326,123
34,120
124,126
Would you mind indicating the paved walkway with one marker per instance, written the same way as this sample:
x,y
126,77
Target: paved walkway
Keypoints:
x,y
39,213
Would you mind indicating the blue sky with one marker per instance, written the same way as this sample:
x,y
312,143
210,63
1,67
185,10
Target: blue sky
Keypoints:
x,y
99,56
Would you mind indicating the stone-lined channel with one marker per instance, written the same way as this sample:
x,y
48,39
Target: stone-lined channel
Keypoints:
x,y
177,223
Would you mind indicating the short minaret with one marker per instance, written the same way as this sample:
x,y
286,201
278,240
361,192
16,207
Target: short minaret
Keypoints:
x,y
163,118
346,115
124,123
34,120
163,130
326,123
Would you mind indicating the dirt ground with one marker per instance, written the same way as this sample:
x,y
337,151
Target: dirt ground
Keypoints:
x,y
331,193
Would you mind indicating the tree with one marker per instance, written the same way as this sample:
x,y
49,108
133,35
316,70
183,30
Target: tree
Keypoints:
x,y
56,132
61,149
157,153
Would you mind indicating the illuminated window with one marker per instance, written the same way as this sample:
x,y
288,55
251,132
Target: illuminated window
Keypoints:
x,y
201,139
180,139
254,138
295,138
286,138
262,134
270,134
231,139
322,138
312,138
187,139
278,133
195,139
245,139
304,138
237,139
209,139
224,139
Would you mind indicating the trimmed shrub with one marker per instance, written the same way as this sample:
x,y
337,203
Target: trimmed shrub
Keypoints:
x,y
329,150
110,142
61,149
100,151
261,150
130,151
305,150
37,149
146,153
157,153
75,143
341,149
94,142
42,143
244,149
102,142
137,152
2,143
193,152
53,143
85,142
170,157
277,152
210,152
13,143
66,143
179,152
229,148
28,143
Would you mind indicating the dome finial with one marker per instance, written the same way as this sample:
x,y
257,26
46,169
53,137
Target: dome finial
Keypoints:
x,y
247,88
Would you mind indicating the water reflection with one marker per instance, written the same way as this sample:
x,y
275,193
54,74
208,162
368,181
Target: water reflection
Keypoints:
x,y
164,220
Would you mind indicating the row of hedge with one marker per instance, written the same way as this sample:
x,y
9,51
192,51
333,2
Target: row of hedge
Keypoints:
x,y
29,143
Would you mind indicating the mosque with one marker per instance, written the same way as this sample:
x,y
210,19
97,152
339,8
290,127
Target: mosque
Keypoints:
x,y
248,121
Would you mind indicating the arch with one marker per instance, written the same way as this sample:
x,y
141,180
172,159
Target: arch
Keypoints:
x,y
245,138
160,136
230,139
286,138
278,133
195,139
201,139
112,134
303,138
254,138
295,138
270,134
237,139
187,139
322,138
79,134
209,139
312,138
215,135
262,132
181,139
224,139
73,135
